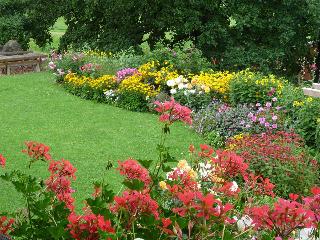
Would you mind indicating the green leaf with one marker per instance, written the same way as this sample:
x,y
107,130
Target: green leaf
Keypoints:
x,y
133,184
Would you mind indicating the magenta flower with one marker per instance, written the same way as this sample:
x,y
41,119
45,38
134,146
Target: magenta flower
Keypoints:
x,y
274,126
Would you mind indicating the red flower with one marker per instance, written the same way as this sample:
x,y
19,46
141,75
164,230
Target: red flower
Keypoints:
x,y
5,225
206,151
88,226
285,217
37,151
172,111
2,161
313,203
131,169
229,164
136,204
59,182
259,185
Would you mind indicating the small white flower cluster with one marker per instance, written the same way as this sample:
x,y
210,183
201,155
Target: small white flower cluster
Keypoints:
x,y
178,83
205,170
111,95
244,223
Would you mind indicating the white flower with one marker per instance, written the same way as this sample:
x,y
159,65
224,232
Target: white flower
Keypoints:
x,y
234,187
192,91
305,234
244,223
181,85
178,80
173,91
51,65
171,83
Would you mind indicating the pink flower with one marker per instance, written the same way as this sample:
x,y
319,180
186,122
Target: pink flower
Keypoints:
x,y
274,126
254,119
262,120
268,104
274,99
267,124
171,111
274,118
258,105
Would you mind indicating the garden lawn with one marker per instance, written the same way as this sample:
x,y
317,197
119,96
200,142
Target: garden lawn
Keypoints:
x,y
89,134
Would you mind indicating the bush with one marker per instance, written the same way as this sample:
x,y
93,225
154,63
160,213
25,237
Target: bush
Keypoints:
x,y
249,87
222,119
133,101
281,157
307,121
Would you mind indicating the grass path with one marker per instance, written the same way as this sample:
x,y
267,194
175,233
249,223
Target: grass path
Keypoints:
x,y
33,107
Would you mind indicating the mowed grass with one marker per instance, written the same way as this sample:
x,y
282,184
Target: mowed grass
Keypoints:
x,y
34,107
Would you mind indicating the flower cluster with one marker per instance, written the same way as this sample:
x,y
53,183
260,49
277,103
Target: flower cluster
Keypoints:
x,y
171,111
37,151
106,82
59,182
267,117
217,82
285,217
89,68
124,73
88,226
6,225
136,204
131,169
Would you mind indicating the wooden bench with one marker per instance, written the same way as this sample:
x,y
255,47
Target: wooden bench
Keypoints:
x,y
30,60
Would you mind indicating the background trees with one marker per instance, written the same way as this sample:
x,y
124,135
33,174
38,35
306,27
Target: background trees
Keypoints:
x,y
265,34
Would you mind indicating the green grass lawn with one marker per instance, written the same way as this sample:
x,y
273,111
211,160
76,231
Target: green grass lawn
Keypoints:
x,y
34,107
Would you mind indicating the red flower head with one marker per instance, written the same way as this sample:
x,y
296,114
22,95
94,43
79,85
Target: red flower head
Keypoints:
x,y
171,111
5,225
88,226
59,182
37,151
131,169
136,204
2,161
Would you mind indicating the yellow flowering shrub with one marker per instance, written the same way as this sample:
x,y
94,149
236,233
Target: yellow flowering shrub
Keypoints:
x,y
157,74
104,83
213,82
252,87
135,83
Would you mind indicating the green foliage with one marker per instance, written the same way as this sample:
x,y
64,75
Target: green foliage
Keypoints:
x,y
194,101
307,123
133,101
26,19
44,216
269,35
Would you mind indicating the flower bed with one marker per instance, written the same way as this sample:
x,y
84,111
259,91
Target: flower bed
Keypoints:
x,y
212,195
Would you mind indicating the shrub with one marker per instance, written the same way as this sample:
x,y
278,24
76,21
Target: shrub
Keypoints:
x,y
307,122
281,157
222,119
132,100
249,87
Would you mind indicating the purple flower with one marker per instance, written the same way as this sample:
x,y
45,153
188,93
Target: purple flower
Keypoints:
x,y
267,124
262,120
274,126
242,122
123,73
261,109
254,118
278,108
268,104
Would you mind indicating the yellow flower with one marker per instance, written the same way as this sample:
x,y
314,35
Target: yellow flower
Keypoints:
x,y
297,103
193,174
163,185
309,99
